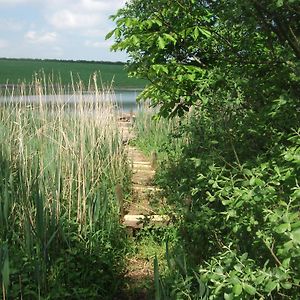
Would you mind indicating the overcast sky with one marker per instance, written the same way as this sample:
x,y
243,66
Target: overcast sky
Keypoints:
x,y
61,29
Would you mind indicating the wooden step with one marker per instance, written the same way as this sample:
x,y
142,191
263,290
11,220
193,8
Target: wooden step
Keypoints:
x,y
141,180
124,124
142,194
142,168
143,172
131,148
138,221
139,163
146,188
142,163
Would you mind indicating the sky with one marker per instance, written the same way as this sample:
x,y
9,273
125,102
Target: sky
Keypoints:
x,y
58,29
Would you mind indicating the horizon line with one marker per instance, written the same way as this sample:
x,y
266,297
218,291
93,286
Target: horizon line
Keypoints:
x,y
63,60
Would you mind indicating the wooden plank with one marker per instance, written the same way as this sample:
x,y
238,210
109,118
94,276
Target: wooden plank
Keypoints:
x,y
143,168
138,221
143,172
142,163
146,188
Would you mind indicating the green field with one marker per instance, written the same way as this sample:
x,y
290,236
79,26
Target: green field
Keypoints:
x,y
22,70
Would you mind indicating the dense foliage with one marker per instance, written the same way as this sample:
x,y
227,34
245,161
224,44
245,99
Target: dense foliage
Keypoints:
x,y
191,50
235,65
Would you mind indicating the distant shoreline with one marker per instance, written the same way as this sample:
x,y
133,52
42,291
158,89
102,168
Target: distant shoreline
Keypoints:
x,y
66,60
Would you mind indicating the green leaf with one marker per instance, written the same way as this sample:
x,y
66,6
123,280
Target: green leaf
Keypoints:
x,y
228,296
247,172
251,290
279,3
170,38
259,182
135,40
295,225
283,228
237,289
259,279
117,32
158,22
128,22
286,285
286,262
271,285
288,245
159,69
205,32
110,34
296,235
196,33
244,256
161,43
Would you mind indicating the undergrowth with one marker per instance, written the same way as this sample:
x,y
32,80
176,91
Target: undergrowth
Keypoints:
x,y
235,203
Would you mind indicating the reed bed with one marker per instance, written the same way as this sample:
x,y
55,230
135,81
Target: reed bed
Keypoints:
x,y
59,163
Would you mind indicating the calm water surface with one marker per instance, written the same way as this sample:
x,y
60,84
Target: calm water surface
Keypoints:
x,y
125,100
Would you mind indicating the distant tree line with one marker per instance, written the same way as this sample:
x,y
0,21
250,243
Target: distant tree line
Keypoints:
x,y
67,60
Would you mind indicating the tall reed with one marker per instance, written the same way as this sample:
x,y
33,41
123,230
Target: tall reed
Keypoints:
x,y
60,157
156,136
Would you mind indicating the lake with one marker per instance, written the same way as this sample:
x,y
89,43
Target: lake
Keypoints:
x,y
125,100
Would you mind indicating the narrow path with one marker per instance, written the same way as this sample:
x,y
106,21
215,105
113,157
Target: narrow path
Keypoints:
x,y
139,275
143,190
142,177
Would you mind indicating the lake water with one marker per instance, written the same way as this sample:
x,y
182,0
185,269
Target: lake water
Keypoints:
x,y
125,100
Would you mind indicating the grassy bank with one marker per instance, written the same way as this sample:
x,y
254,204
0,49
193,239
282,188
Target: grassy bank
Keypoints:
x,y
60,236
22,70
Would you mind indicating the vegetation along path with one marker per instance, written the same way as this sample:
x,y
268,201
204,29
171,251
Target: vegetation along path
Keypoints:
x,y
139,212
